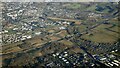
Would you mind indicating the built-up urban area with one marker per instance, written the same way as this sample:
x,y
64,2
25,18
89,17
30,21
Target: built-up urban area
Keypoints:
x,y
60,34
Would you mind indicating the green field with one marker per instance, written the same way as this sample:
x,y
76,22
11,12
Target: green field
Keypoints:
x,y
101,35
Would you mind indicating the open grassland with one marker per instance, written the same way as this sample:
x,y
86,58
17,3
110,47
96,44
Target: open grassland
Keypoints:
x,y
74,6
81,28
59,19
10,47
62,33
23,45
101,35
66,42
115,28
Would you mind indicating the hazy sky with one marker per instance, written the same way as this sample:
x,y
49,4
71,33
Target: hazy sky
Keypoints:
x,y
60,0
